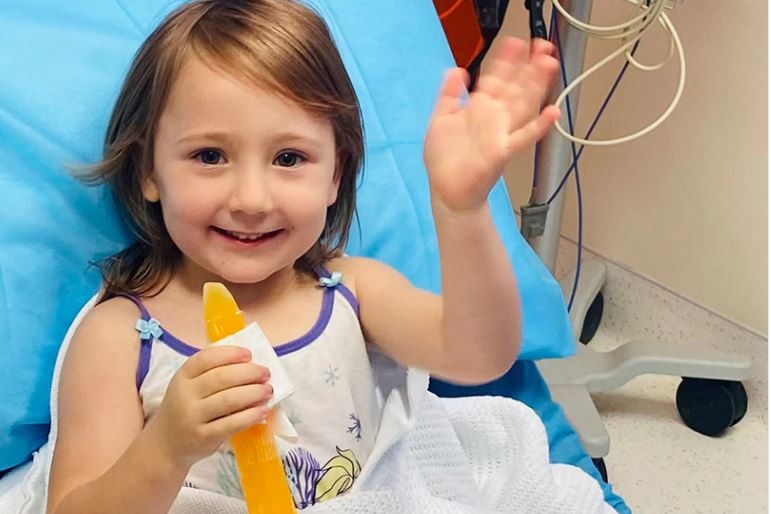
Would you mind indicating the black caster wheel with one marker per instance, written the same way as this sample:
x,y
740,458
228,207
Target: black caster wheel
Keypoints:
x,y
592,319
600,465
709,406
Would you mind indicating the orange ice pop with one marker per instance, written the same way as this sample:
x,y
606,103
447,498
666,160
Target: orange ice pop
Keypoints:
x,y
262,475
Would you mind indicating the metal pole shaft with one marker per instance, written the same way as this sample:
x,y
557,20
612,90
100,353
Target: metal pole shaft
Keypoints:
x,y
554,154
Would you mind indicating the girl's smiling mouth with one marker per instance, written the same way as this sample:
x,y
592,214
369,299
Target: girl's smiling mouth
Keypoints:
x,y
247,238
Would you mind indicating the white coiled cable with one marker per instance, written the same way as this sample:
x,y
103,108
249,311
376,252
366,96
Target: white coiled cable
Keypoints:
x,y
630,32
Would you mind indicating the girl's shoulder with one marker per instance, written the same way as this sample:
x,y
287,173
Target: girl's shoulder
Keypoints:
x,y
363,272
108,329
117,308
353,269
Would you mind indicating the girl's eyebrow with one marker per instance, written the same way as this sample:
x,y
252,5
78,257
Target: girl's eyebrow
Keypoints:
x,y
279,137
294,137
216,136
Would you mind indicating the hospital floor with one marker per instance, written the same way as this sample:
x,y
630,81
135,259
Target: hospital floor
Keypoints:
x,y
656,463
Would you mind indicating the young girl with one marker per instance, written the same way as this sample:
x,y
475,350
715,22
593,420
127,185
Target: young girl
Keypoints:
x,y
233,150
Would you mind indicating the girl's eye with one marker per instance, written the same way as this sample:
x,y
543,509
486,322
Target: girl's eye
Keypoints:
x,y
209,157
288,159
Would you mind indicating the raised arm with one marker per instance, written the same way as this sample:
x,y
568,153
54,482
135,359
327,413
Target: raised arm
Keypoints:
x,y
470,334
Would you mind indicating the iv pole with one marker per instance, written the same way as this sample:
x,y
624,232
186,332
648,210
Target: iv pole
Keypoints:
x,y
571,379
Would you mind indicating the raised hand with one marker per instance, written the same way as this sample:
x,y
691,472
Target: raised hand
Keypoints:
x,y
468,143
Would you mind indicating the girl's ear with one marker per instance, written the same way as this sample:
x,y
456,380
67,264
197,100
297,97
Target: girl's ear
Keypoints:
x,y
150,189
334,187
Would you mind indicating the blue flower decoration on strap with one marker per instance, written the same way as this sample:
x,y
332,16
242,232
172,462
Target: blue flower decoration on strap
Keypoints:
x,y
147,328
331,281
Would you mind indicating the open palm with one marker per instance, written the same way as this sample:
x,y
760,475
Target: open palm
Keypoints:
x,y
468,144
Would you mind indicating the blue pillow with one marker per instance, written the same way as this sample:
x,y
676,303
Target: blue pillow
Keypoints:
x,y
64,63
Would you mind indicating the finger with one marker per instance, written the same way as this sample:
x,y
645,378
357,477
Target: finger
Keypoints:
x,y
534,83
546,68
526,88
452,91
230,375
213,357
539,46
534,130
235,399
238,421
512,50
506,62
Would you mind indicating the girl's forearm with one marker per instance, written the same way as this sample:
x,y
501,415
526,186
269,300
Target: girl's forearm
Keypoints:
x,y
481,309
142,480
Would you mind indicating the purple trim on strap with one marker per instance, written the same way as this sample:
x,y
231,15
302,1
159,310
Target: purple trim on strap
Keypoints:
x,y
347,293
142,309
321,271
166,337
145,343
321,323
178,345
143,366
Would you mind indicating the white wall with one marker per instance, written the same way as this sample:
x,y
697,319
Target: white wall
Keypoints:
x,y
685,205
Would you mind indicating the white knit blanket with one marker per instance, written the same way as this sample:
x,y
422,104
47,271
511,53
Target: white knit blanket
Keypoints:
x,y
431,455
466,455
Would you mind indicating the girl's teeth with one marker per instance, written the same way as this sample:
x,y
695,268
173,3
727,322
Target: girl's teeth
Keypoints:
x,y
245,237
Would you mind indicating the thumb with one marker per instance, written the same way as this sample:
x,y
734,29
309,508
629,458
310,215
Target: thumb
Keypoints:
x,y
453,90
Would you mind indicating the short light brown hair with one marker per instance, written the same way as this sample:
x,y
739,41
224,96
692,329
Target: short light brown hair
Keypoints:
x,y
278,45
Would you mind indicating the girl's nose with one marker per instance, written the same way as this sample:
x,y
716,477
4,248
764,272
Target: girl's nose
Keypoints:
x,y
251,192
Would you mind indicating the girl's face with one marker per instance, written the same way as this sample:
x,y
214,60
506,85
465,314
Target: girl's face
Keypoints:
x,y
244,176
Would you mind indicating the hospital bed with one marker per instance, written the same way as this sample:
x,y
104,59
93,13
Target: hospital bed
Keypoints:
x,y
63,63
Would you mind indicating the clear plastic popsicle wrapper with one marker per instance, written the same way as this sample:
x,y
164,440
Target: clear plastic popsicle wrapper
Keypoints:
x,y
264,484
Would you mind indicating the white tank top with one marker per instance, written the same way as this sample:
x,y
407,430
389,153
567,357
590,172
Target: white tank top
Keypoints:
x,y
333,407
